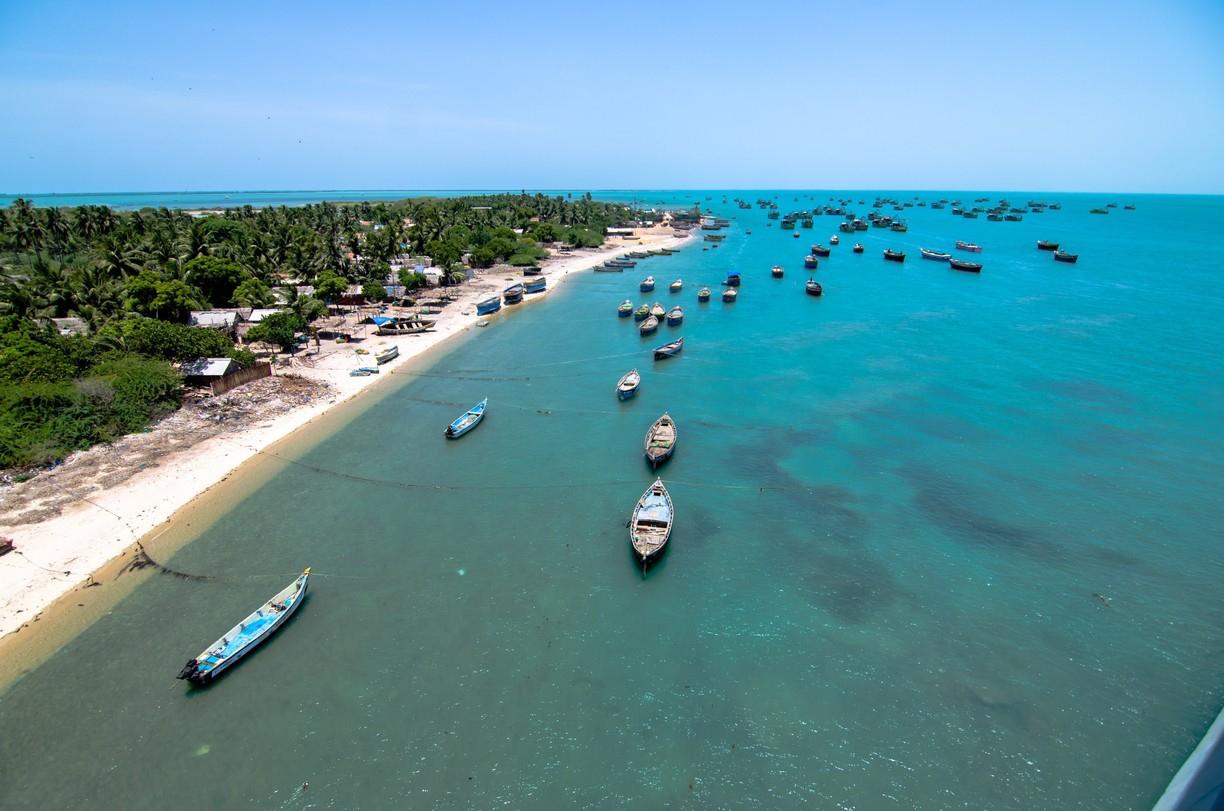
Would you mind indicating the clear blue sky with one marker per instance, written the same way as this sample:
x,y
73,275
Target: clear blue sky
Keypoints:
x,y
127,96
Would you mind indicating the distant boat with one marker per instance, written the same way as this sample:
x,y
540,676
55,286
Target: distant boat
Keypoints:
x,y
657,310
651,524
729,295
513,294
813,288
628,385
776,271
669,350
733,279
625,309
894,256
1043,245
703,294
810,262
660,441
535,285
1128,207
676,286
607,268
1063,256
968,246
835,240
935,256
385,352
489,305
649,326
961,264
647,284
1098,211
675,316
470,419
641,313
246,635
858,247
821,250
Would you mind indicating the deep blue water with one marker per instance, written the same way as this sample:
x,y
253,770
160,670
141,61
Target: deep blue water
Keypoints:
x,y
943,540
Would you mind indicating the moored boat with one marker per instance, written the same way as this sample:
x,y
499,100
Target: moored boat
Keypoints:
x,y
703,294
660,441
733,279
894,256
535,285
625,309
607,268
628,385
513,294
385,352
858,247
675,316
641,313
468,420
649,326
669,350
821,250
835,240
676,286
810,262
489,305
657,310
647,284
776,271
1045,245
935,256
968,246
246,635
1063,256
813,288
729,295
961,264
651,524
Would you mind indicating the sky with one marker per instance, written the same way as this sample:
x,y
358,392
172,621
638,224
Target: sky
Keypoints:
x,y
888,94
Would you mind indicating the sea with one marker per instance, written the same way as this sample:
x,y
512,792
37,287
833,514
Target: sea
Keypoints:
x,y
942,540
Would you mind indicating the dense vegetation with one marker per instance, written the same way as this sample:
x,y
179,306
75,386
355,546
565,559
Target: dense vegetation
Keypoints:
x,y
133,278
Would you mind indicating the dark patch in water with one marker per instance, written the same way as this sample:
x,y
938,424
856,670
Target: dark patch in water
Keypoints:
x,y
1085,391
853,588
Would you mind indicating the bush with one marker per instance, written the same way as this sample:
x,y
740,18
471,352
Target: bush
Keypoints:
x,y
164,340
411,280
278,328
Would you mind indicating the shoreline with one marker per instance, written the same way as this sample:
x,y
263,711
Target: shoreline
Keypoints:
x,y
94,538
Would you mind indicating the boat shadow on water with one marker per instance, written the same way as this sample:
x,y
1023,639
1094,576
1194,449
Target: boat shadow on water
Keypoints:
x,y
198,689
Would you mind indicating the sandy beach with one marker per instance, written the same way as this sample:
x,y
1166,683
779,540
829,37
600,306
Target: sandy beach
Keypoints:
x,y
70,522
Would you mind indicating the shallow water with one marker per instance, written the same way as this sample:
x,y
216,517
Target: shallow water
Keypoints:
x,y
942,541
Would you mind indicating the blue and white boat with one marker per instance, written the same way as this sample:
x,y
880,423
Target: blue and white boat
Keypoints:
x,y
489,305
651,524
513,294
535,285
246,635
470,419
628,385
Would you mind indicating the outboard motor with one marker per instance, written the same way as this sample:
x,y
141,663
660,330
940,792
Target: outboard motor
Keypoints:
x,y
189,669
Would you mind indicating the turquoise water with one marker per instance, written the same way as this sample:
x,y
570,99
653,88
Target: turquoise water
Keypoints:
x,y
896,508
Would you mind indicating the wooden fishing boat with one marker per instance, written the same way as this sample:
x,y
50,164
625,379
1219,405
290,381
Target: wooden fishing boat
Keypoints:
x,y
776,271
810,262
676,286
660,441
675,316
647,284
649,326
606,268
729,295
858,247
935,256
489,305
961,264
385,325
703,294
641,313
622,263
894,256
658,310
651,524
733,279
1045,245
625,309
968,246
821,250
532,270
470,419
628,385
835,240
669,350
813,288
513,294
1063,256
246,635
385,352
535,285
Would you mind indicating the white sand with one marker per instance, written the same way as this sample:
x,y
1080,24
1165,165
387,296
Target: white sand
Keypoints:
x,y
60,553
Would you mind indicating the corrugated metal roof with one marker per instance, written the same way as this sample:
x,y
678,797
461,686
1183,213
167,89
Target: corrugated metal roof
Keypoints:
x,y
209,367
213,318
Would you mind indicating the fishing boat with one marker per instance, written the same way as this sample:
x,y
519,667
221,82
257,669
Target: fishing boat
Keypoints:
x,y
1044,245
385,352
489,305
675,316
625,309
821,250
894,256
935,256
606,268
513,294
647,284
641,313
628,385
858,247
971,247
1063,256
246,635
961,264
622,263
532,270
813,288
676,286
733,279
703,294
835,240
386,325
729,295
649,326
651,524
535,285
776,271
657,310
470,419
810,262
795,235
660,441
669,350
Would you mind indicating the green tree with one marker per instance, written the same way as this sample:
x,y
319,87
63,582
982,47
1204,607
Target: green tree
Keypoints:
x,y
215,277
373,291
252,292
175,300
330,286
278,328
411,280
